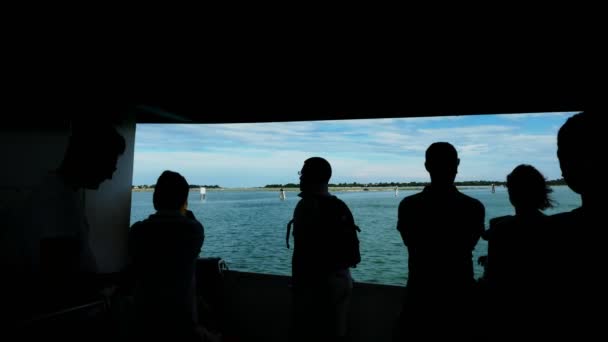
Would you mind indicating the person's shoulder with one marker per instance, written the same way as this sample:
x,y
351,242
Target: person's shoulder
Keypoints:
x,y
340,205
138,226
501,220
411,202
194,226
149,220
190,217
412,199
473,202
195,232
564,215
301,203
135,233
497,226
565,218
337,200
147,224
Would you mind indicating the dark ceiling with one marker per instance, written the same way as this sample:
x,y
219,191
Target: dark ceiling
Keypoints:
x,y
235,82
301,108
264,96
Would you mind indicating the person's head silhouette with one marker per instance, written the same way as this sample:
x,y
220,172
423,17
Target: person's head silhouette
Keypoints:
x,y
315,174
528,190
91,155
578,153
442,163
171,192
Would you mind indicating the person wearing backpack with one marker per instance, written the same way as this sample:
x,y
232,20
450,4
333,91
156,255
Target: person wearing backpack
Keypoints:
x,y
325,247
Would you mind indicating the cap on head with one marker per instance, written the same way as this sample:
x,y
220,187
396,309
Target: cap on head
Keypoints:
x,y
170,192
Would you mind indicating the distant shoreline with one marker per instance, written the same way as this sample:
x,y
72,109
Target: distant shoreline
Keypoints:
x,y
331,189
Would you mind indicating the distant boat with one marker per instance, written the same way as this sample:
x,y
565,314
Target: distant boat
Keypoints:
x,y
396,191
493,188
282,195
203,193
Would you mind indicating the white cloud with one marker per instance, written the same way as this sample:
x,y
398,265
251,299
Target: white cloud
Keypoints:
x,y
473,149
467,130
359,150
517,116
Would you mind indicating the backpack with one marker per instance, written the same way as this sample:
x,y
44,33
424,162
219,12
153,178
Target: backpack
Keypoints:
x,y
343,235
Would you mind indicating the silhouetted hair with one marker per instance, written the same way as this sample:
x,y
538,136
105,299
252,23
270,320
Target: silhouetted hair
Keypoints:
x,y
441,152
170,192
317,169
528,188
91,139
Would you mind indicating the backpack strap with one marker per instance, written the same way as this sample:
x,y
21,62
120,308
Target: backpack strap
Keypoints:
x,y
289,224
344,209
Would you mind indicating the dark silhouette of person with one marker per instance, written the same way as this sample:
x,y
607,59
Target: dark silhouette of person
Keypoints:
x,y
440,226
55,262
578,237
514,275
59,232
163,250
322,283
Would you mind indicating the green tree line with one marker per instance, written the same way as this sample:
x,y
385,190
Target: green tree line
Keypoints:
x,y
192,186
408,184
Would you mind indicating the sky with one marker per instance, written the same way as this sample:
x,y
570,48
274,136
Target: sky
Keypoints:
x,y
363,151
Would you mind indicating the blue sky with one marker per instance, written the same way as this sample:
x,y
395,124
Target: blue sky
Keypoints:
x,y
365,151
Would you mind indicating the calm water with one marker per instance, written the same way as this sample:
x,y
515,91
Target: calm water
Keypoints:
x,y
247,228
